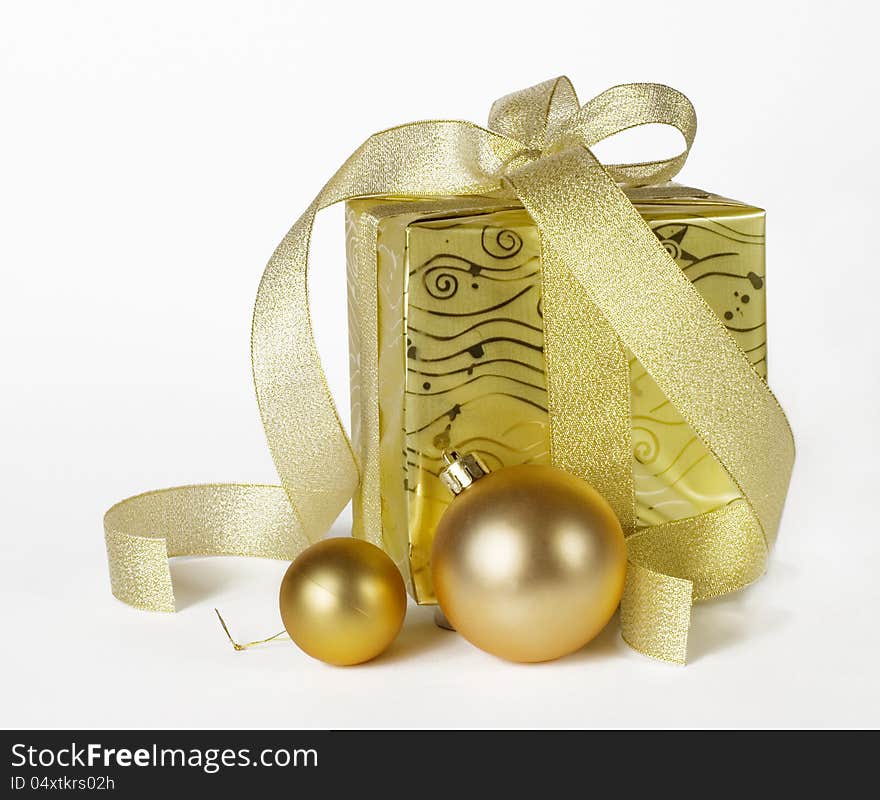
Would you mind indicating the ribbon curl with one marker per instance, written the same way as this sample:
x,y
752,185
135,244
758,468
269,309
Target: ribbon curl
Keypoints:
x,y
608,284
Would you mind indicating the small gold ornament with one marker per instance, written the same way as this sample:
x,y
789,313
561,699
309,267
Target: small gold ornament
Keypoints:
x,y
528,563
343,601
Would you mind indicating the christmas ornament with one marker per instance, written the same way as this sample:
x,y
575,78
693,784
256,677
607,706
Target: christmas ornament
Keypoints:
x,y
529,562
343,601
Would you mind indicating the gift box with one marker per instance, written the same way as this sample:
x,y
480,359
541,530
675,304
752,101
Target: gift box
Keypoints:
x,y
513,296
447,311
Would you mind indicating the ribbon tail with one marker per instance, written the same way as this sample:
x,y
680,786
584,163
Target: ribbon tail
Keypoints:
x,y
655,613
674,564
143,532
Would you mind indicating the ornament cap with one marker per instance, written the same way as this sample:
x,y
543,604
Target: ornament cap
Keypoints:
x,y
461,470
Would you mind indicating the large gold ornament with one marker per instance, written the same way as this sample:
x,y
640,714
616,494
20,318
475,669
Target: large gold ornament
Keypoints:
x,y
343,601
528,562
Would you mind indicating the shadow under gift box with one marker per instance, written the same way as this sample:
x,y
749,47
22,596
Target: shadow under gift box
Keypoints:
x,y
446,345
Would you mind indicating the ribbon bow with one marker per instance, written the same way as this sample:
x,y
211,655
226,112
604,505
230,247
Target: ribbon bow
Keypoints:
x,y
608,286
547,118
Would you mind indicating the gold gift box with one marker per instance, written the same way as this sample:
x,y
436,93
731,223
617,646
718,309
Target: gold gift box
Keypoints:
x,y
446,344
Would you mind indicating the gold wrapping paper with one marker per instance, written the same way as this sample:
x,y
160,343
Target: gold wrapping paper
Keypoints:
x,y
459,332
603,271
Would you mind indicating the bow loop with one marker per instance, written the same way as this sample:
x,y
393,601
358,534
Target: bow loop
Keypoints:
x,y
534,116
629,106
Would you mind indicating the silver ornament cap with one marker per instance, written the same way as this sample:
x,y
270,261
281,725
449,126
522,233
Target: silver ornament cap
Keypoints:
x,y
461,470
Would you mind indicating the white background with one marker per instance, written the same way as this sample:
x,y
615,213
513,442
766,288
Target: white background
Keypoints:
x,y
152,156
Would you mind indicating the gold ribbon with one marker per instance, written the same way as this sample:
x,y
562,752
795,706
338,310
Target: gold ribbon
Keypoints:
x,y
608,284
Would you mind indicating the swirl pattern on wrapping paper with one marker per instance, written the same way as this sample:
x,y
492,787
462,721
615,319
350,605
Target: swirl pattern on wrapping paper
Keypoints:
x,y
441,282
500,242
441,274
474,348
673,473
717,257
